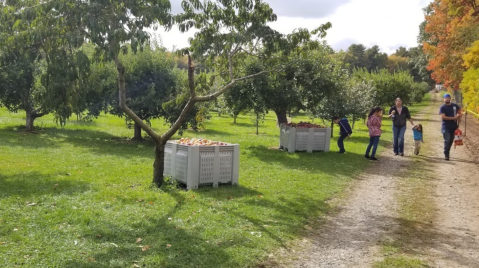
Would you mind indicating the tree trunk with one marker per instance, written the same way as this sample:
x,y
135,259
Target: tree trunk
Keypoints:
x,y
332,128
29,122
234,118
137,136
159,164
257,124
281,116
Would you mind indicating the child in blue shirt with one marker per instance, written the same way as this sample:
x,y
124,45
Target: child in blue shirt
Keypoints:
x,y
418,138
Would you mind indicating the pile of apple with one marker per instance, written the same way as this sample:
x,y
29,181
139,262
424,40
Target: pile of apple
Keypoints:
x,y
304,125
198,142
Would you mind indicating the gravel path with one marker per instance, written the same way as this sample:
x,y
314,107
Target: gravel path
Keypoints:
x,y
369,215
455,235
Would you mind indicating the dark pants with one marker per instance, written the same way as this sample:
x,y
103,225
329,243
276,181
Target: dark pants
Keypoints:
x,y
341,142
398,139
373,143
448,135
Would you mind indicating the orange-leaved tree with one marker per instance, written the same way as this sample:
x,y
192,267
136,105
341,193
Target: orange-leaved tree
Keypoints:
x,y
451,27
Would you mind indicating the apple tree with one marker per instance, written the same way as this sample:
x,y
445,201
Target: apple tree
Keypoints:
x,y
227,31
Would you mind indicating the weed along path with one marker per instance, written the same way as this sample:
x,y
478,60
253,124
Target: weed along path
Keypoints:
x,y
413,211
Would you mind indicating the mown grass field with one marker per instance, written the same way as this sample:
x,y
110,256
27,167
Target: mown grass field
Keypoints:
x,y
80,196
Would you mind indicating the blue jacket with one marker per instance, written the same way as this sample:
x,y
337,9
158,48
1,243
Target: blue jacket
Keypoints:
x,y
344,127
417,135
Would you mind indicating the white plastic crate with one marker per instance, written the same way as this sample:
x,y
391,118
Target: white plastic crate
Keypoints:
x,y
304,139
201,165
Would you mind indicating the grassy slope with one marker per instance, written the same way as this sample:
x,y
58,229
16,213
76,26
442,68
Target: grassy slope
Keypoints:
x,y
80,196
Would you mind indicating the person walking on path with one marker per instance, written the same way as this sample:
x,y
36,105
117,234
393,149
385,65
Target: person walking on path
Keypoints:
x,y
345,131
399,114
418,138
374,124
451,117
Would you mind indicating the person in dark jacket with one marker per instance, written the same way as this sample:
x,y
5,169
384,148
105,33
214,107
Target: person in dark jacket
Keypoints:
x,y
344,132
400,115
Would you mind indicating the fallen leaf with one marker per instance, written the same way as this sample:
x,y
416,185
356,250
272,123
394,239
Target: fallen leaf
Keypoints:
x,y
140,200
2,243
91,259
99,236
31,204
26,256
15,229
68,174
230,197
145,248
260,196
55,186
138,240
193,196
113,244
136,265
168,245
76,242
151,202
170,219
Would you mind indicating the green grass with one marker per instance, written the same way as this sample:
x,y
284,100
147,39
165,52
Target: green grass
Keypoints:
x,y
80,196
400,262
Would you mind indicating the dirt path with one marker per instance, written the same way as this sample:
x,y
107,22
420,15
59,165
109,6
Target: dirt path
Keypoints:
x,y
455,239
372,212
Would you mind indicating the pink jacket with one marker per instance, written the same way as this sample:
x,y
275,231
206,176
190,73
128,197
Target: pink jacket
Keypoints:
x,y
374,125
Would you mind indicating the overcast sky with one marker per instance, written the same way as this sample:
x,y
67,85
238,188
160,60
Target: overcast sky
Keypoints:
x,y
386,23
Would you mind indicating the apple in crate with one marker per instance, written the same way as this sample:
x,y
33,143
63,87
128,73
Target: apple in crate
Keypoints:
x,y
304,125
198,142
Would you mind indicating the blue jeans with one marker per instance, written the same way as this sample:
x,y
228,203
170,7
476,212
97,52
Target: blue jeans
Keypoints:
x,y
398,139
341,142
373,143
448,135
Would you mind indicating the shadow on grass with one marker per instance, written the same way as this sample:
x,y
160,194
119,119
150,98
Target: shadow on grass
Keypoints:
x,y
96,141
34,184
164,245
330,163
414,236
210,132
189,246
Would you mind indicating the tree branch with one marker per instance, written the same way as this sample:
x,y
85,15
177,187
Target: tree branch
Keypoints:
x,y
191,77
124,107
233,82
230,63
189,105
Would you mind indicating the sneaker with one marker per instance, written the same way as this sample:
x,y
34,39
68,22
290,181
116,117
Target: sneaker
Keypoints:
x,y
401,154
446,158
396,154
372,158
341,152
367,156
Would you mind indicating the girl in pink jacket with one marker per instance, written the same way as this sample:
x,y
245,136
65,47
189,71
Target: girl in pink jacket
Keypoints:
x,y
374,124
